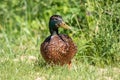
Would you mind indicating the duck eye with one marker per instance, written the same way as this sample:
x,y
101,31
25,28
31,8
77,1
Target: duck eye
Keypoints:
x,y
55,19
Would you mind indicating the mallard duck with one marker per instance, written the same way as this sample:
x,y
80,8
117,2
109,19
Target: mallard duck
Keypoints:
x,y
57,48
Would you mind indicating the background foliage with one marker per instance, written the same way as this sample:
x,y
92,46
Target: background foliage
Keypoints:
x,y
95,28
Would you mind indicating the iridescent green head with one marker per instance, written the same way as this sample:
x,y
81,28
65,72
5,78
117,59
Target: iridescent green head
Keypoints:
x,y
55,22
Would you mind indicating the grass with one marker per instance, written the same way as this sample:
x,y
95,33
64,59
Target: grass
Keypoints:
x,y
96,31
25,69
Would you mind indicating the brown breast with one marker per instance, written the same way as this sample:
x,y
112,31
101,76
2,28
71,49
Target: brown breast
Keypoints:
x,y
58,49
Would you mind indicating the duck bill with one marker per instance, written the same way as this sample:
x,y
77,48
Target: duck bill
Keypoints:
x,y
64,25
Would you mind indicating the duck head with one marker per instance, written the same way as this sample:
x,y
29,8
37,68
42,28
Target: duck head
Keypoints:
x,y
55,22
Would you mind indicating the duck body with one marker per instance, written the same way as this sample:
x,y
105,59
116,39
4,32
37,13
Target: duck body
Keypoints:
x,y
58,49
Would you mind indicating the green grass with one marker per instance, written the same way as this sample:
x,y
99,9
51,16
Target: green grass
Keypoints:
x,y
17,70
95,30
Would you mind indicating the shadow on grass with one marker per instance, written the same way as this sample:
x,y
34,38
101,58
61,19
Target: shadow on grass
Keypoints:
x,y
40,64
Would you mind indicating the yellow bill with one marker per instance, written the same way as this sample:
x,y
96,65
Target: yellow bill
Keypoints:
x,y
64,25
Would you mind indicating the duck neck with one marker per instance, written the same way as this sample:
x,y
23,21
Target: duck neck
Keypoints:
x,y
55,33
53,30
